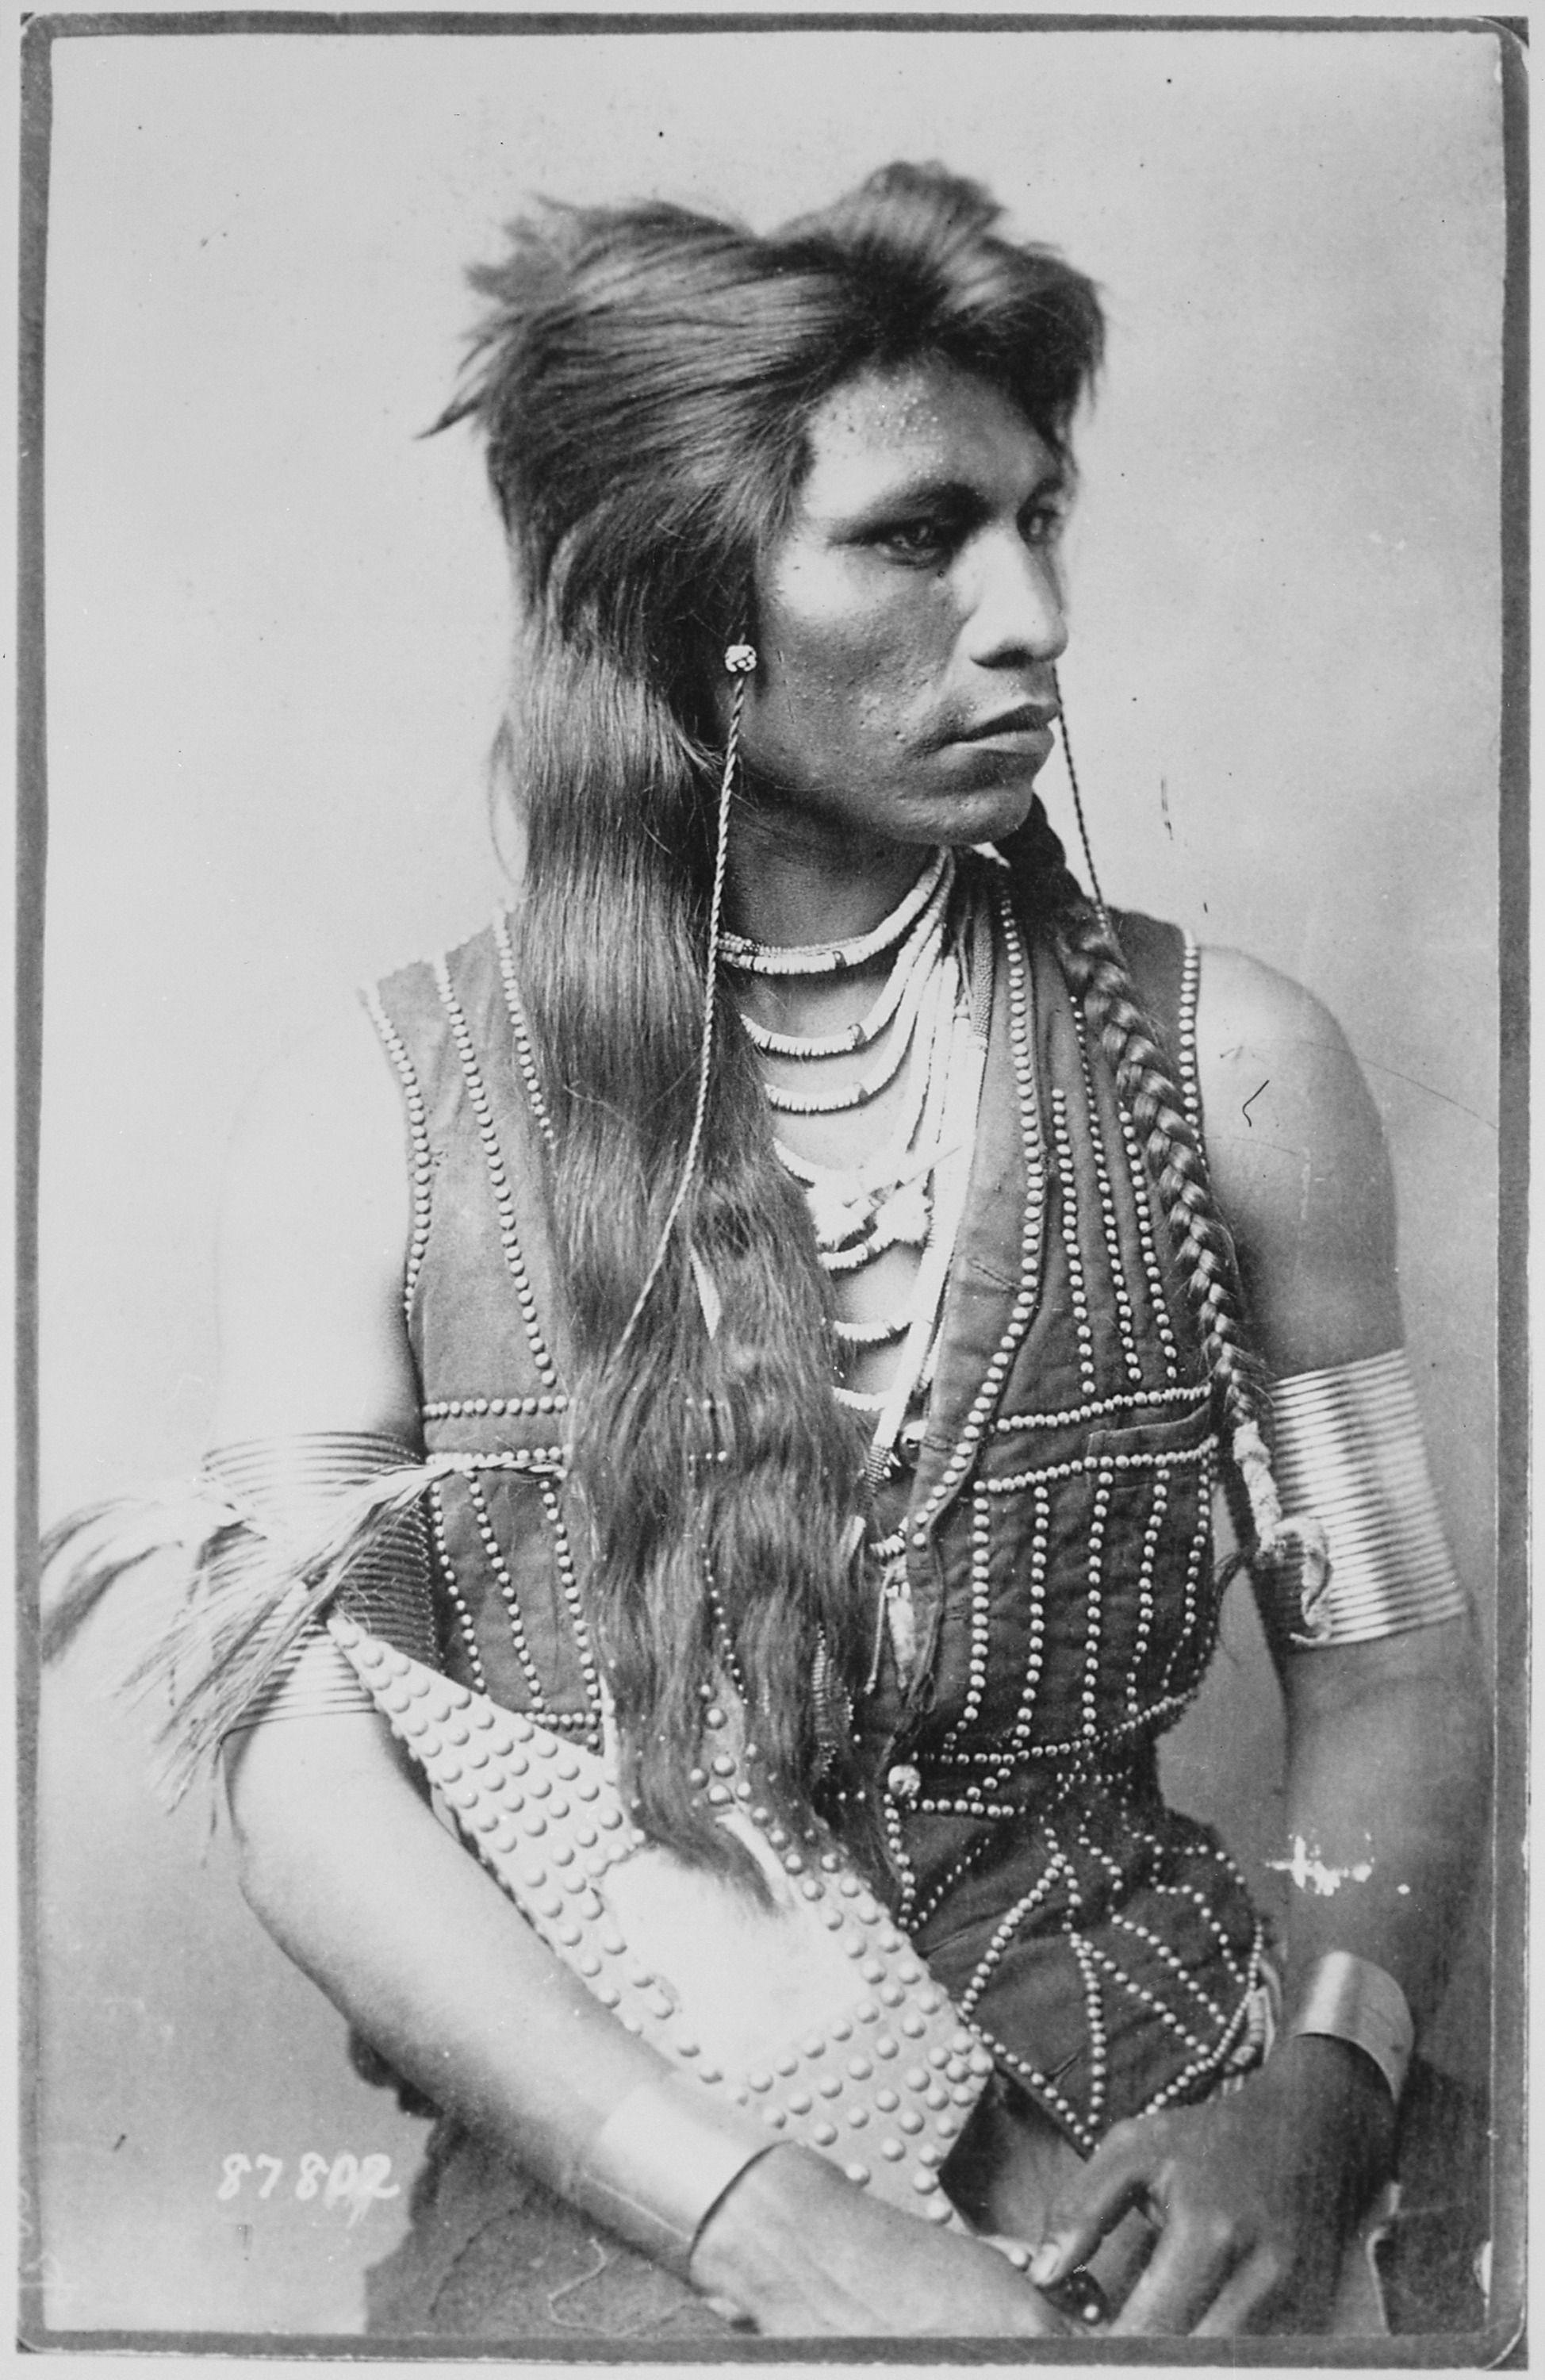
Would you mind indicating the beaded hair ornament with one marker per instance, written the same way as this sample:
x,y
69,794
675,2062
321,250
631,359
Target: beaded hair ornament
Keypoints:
x,y
739,660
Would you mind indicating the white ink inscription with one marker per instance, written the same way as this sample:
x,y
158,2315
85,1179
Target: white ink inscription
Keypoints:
x,y
346,2181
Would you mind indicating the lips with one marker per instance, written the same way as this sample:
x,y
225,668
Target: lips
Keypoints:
x,y
1025,718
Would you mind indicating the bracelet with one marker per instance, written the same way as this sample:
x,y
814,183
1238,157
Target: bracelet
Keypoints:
x,y
660,2164
295,1490
1351,2000
1348,1450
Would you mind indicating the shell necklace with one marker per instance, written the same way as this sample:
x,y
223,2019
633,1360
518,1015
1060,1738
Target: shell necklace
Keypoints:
x,y
890,1200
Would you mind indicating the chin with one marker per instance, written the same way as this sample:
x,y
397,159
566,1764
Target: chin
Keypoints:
x,y
985,815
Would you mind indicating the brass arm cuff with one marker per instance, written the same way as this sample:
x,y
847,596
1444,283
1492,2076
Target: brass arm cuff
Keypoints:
x,y
660,2164
293,1488
1349,1451
1351,2000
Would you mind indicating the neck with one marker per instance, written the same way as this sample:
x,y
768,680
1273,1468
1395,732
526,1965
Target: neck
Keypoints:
x,y
788,887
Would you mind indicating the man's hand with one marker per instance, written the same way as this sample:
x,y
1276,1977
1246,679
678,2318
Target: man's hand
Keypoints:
x,y
1255,2196
798,2252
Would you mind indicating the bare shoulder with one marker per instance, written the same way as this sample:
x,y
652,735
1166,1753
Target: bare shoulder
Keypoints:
x,y
330,1099
1247,1010
314,1229
1299,1163
1277,1072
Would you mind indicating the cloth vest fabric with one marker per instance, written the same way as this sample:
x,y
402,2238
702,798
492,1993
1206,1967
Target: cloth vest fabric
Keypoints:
x,y
1057,1524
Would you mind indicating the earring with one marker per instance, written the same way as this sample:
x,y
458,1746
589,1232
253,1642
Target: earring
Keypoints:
x,y
739,660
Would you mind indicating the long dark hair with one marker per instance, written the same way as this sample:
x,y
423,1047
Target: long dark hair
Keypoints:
x,y
644,378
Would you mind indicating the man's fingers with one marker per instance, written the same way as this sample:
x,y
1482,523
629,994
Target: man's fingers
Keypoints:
x,y
1193,2257
1114,2181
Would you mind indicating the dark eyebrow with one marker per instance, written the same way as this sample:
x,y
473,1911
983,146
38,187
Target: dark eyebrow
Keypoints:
x,y
949,494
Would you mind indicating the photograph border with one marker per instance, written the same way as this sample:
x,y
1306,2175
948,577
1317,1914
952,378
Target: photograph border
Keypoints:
x,y
1502,2345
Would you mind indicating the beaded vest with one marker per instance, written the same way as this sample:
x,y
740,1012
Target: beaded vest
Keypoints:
x,y
1054,1505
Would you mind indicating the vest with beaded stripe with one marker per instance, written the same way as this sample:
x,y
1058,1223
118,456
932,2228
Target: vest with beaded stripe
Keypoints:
x,y
1057,1523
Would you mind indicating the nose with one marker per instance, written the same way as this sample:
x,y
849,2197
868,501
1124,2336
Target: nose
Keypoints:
x,y
1017,611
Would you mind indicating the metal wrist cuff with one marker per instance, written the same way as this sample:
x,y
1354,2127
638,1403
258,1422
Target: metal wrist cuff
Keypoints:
x,y
1350,1451
1352,2000
660,2164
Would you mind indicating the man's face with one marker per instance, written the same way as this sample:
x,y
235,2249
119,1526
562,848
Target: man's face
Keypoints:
x,y
908,618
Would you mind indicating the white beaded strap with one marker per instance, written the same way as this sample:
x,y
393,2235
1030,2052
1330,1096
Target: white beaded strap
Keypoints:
x,y
498,1172
1350,1451
422,1168
1189,1069
520,1031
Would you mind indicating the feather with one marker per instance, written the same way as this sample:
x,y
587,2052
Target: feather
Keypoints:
x,y
87,1554
241,1595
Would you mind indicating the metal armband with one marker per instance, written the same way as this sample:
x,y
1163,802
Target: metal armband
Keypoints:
x,y
1349,1451
234,1571
293,1486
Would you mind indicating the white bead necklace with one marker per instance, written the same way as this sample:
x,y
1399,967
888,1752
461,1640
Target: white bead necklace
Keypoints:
x,y
747,958
940,1162
862,1336
918,1342
900,1221
910,1192
846,1096
914,953
851,1205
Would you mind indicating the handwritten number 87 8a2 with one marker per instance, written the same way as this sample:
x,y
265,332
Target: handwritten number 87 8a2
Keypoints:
x,y
346,2181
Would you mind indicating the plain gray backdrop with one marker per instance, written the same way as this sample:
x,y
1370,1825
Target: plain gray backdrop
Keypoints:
x,y
277,625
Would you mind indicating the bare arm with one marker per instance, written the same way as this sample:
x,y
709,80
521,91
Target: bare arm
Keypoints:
x,y
356,1879
339,1854
1386,1740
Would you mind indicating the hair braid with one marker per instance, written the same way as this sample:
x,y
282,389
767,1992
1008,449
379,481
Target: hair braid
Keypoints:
x,y
1097,975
